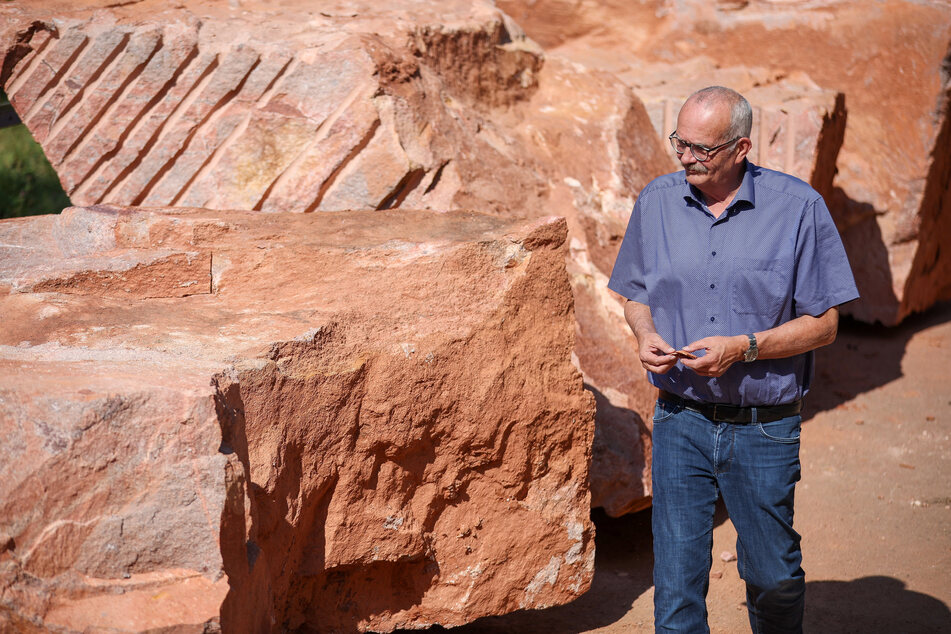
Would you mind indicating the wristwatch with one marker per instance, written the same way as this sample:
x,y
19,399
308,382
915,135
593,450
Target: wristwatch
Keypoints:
x,y
752,352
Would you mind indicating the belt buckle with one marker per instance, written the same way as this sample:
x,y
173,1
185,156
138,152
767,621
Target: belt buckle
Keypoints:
x,y
730,413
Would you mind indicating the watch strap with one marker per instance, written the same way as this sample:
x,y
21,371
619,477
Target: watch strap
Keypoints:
x,y
752,351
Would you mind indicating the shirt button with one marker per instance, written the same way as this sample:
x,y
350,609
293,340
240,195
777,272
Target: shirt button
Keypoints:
x,y
713,286
713,319
713,253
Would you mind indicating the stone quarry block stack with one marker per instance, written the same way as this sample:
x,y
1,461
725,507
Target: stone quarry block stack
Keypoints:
x,y
361,420
291,108
285,107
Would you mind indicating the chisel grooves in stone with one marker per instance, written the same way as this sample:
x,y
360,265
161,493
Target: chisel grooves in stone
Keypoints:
x,y
39,44
134,138
46,121
214,94
349,158
81,109
103,96
289,179
106,135
31,95
147,163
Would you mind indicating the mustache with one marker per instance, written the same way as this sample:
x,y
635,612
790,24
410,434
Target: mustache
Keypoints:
x,y
696,168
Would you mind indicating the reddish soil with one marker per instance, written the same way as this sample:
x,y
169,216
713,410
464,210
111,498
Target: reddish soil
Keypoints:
x,y
874,504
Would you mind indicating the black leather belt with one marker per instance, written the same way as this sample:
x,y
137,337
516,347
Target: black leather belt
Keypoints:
x,y
723,413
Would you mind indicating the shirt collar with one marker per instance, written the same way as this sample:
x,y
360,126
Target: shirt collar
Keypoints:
x,y
744,194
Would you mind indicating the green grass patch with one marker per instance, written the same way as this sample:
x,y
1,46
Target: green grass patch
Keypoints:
x,y
28,184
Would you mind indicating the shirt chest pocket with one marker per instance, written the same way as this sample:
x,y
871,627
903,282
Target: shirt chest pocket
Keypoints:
x,y
759,287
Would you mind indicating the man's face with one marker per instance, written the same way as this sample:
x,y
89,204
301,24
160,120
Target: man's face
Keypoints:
x,y
705,125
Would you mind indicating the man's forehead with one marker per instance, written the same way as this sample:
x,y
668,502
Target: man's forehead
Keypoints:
x,y
706,121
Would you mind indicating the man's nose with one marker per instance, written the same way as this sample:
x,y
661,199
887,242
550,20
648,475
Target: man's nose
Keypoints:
x,y
687,157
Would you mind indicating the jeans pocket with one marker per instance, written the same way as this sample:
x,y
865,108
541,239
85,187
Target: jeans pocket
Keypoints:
x,y
664,410
784,430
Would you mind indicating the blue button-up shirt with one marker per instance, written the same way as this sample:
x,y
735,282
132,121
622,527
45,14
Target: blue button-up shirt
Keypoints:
x,y
773,255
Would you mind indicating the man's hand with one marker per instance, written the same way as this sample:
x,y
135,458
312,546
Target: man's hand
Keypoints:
x,y
655,353
721,353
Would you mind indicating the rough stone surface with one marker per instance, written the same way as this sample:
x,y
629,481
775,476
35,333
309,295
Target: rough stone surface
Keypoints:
x,y
592,139
890,61
364,420
283,109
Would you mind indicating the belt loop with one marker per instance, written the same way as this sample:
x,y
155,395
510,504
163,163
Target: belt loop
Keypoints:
x,y
753,414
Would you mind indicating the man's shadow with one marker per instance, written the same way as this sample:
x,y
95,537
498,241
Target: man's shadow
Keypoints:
x,y
872,604
863,357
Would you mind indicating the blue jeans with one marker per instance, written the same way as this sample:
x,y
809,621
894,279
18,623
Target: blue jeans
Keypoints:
x,y
754,467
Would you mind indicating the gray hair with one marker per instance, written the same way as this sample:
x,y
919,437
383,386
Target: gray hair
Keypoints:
x,y
741,115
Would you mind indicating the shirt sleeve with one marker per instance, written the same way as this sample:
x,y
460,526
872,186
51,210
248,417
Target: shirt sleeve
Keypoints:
x,y
627,279
823,275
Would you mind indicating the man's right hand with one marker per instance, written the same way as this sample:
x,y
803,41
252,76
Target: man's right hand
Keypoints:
x,y
656,354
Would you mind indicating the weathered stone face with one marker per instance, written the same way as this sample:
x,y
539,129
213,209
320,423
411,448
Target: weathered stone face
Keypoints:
x,y
288,441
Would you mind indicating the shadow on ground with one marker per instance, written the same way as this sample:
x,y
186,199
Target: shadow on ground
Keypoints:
x,y
863,358
872,604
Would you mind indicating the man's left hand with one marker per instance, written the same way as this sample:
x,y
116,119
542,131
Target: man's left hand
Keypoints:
x,y
721,353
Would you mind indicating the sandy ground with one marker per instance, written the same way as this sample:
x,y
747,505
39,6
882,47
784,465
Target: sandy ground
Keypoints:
x,y
873,506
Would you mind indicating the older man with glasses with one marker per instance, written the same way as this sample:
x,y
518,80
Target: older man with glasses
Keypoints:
x,y
733,274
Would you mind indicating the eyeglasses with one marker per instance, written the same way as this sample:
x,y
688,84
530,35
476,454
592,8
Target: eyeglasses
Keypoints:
x,y
700,152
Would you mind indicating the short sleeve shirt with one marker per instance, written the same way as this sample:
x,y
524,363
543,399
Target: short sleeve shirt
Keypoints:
x,y
773,255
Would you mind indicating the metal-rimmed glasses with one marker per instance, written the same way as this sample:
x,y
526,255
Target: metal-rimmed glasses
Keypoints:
x,y
700,152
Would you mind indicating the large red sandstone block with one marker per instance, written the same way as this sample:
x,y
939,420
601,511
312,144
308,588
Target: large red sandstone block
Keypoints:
x,y
381,107
371,421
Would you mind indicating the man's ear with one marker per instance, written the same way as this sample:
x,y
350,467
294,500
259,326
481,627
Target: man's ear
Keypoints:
x,y
743,147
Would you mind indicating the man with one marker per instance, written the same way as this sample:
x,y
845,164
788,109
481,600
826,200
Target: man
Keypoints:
x,y
733,274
